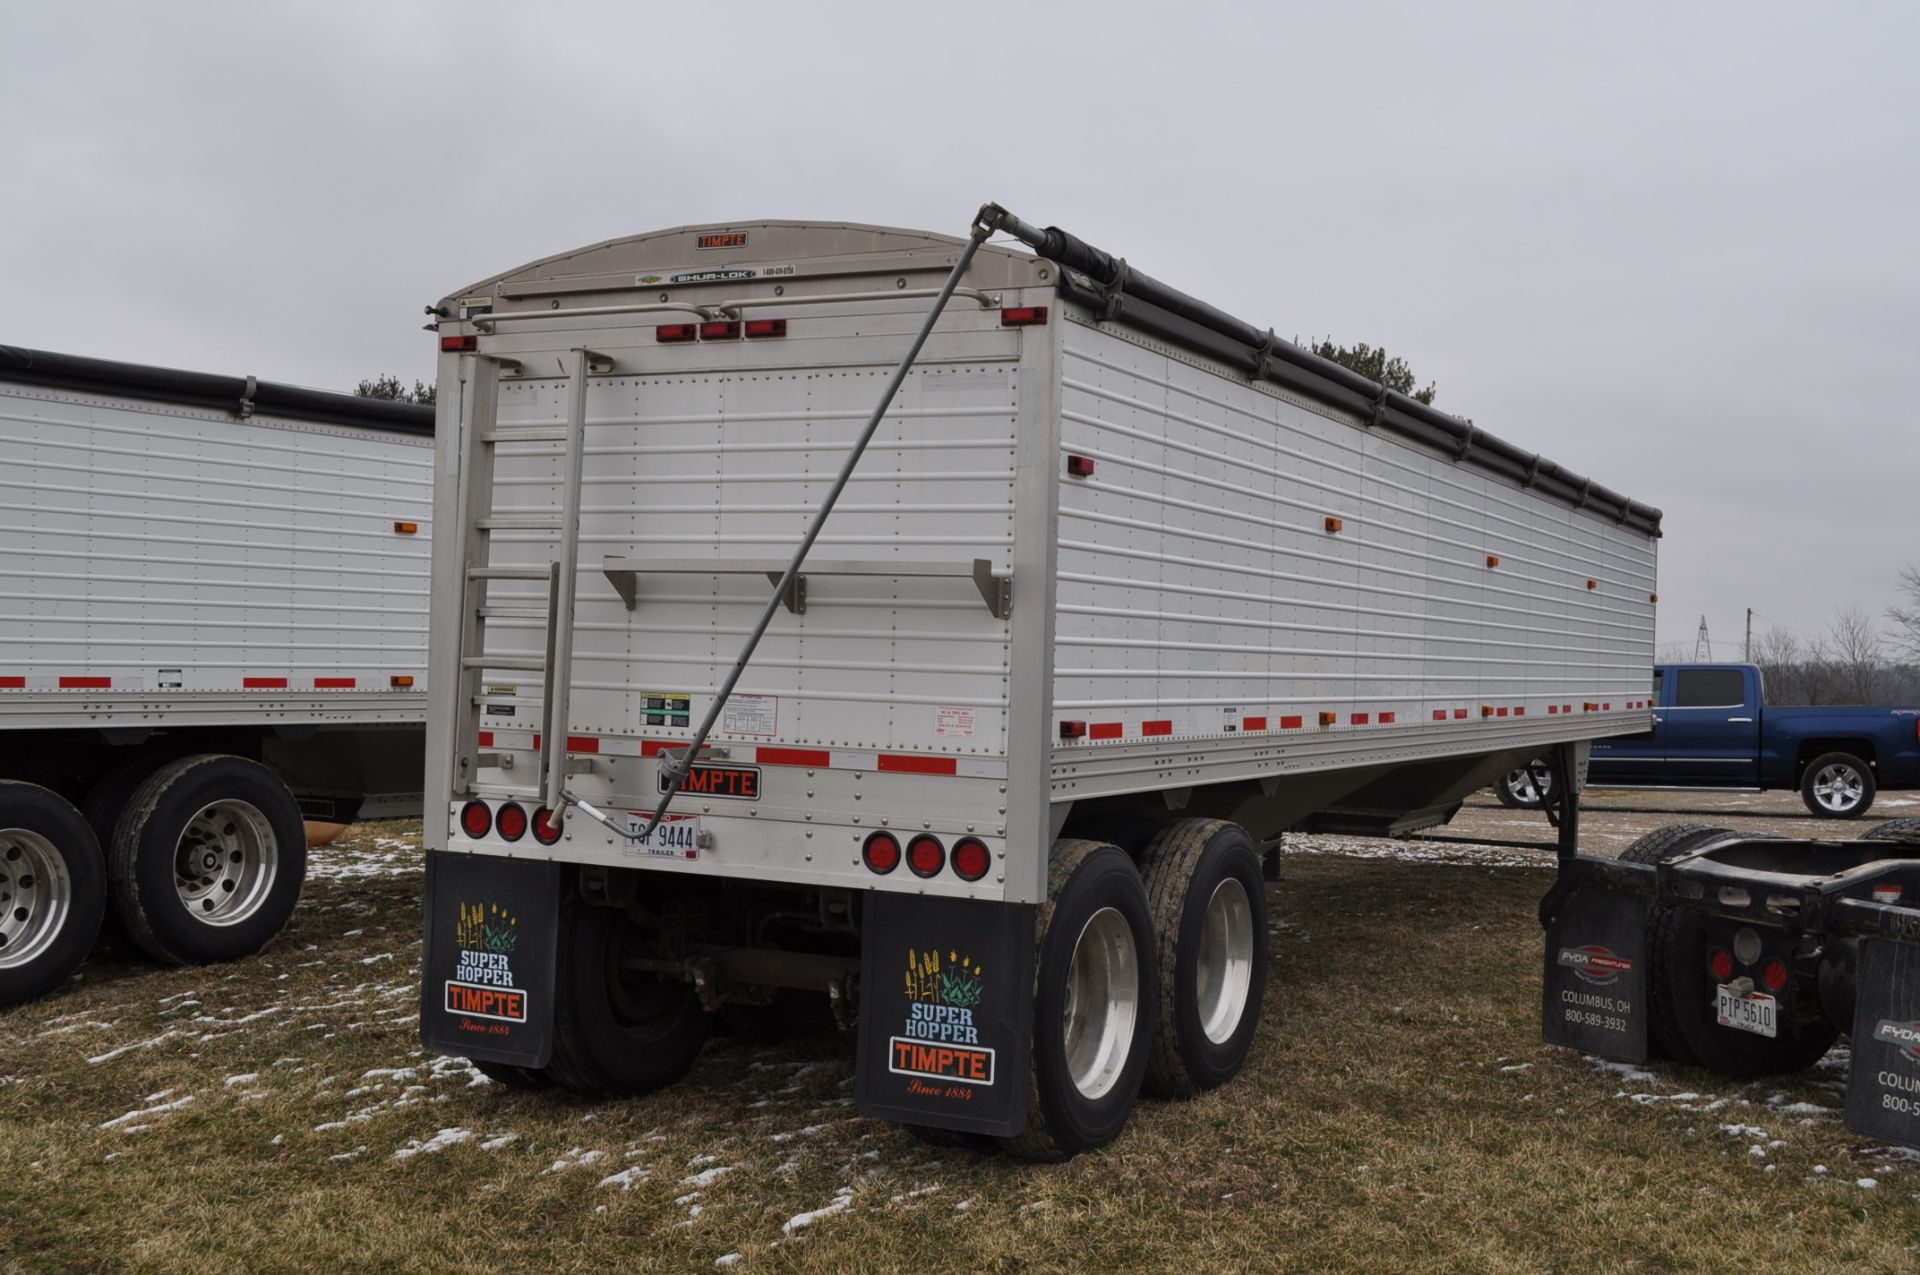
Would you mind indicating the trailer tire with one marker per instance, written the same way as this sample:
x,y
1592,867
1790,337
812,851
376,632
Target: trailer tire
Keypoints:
x,y
233,824
1905,831
1093,941
1837,786
101,808
1527,787
1208,899
53,891
615,1038
1664,1039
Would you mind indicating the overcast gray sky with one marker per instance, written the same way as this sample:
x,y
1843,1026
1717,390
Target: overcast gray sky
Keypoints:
x,y
1671,246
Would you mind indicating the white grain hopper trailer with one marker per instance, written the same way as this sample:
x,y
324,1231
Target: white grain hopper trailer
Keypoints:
x,y
1071,595
214,630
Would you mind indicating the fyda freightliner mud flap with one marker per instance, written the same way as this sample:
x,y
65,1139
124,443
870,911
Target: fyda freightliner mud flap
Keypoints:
x,y
1594,995
946,1012
486,979
1883,1091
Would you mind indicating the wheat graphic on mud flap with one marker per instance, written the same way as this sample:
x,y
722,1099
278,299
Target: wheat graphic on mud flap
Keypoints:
x,y
957,981
486,927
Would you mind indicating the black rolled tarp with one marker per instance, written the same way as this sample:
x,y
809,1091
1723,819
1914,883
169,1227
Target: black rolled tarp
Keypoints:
x,y
240,396
1125,295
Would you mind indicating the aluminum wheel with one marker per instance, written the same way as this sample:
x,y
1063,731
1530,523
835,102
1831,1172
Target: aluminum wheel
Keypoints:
x,y
224,867
1530,784
1838,787
36,894
1102,1002
1225,967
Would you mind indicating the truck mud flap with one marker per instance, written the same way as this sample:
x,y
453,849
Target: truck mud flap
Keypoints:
x,y
1594,995
486,978
1883,1091
946,1012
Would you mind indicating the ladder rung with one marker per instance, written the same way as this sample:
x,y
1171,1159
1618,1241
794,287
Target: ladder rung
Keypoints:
x,y
526,434
531,663
519,522
513,613
508,573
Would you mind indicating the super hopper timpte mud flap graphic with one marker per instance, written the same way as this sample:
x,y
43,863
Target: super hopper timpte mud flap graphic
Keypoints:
x,y
486,989
946,1012
1594,995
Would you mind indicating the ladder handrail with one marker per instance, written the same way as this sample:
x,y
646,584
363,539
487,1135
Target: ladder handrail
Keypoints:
x,y
561,593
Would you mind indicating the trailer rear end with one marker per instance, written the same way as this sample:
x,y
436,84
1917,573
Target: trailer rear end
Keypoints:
x,y
1096,596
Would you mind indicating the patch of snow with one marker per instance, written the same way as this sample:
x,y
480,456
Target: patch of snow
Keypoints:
x,y
627,1179
244,1078
707,1177
727,1259
502,1140
841,1202
164,1107
437,1143
1867,1184
112,1054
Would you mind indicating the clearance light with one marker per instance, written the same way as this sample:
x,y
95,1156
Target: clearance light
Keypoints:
x,y
1720,964
926,856
971,859
668,333
1073,730
406,528
766,327
1773,975
476,820
882,853
546,829
400,681
1593,584
459,344
1333,526
720,330
511,823
1328,719
1080,466
1023,316
1493,559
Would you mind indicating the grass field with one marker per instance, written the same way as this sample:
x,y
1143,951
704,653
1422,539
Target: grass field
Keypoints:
x,y
1399,1113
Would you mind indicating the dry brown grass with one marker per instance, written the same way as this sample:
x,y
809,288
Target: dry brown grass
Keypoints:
x,y
1399,1114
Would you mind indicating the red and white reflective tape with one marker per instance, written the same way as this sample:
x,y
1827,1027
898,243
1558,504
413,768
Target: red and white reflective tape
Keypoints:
x,y
1101,731
767,754
103,682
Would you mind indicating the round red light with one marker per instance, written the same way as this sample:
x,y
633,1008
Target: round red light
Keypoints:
x,y
476,820
926,856
882,853
511,822
971,859
1721,963
1774,974
546,829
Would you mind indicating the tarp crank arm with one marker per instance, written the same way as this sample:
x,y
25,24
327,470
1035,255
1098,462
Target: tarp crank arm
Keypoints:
x,y
674,766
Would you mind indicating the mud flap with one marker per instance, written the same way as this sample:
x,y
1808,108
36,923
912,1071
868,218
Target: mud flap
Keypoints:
x,y
1594,995
946,1012
1883,1091
486,978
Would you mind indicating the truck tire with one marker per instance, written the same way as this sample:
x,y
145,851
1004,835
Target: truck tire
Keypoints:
x,y
1906,831
207,860
1682,1022
53,891
1527,788
1094,1003
1209,905
1837,786
616,1037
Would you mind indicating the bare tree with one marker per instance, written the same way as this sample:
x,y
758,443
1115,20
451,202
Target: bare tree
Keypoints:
x,y
1859,655
1907,618
1782,662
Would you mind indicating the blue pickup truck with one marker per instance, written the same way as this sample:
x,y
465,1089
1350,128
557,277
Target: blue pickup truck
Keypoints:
x,y
1713,729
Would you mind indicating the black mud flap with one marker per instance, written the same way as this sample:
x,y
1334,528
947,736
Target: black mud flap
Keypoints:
x,y
946,1012
1883,1092
1594,995
486,981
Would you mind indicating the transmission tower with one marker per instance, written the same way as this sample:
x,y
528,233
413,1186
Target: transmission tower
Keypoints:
x,y
1703,645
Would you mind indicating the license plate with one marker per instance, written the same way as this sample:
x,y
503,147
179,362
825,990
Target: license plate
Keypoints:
x,y
674,837
1751,1012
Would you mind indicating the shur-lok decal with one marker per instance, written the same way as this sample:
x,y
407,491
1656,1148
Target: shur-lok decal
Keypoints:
x,y
946,1010
487,991
1594,993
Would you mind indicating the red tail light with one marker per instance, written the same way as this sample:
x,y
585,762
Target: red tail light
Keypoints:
x,y
926,856
1023,316
667,333
971,859
882,853
1721,964
1774,974
546,829
476,820
1073,730
459,344
766,327
511,822
720,330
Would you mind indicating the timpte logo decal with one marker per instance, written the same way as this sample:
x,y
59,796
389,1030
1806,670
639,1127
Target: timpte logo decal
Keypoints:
x,y
482,985
940,1040
1905,1035
1595,964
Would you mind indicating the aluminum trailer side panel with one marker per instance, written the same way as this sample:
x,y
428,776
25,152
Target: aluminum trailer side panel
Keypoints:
x,y
172,565
1264,585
